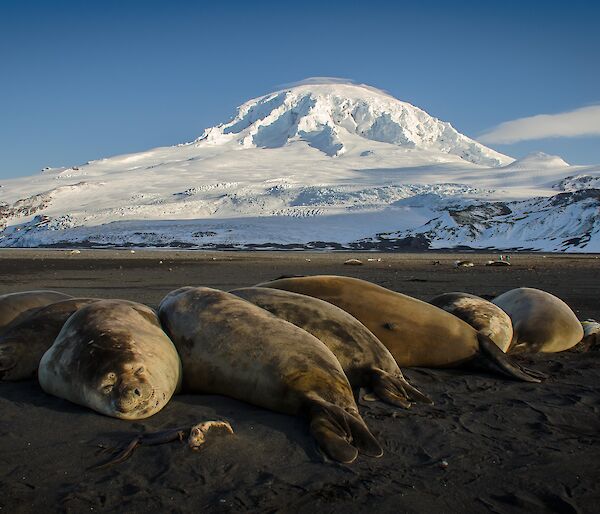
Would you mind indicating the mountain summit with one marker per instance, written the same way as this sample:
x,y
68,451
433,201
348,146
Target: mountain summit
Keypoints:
x,y
336,118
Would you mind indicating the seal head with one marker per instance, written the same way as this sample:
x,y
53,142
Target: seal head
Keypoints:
x,y
113,357
482,315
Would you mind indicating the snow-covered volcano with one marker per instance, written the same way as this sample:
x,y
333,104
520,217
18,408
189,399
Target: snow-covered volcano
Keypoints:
x,y
315,165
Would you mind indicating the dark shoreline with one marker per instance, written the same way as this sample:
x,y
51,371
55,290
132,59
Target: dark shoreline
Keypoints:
x,y
509,446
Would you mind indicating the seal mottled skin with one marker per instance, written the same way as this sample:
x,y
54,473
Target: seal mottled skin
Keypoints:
x,y
415,332
231,347
113,356
482,315
364,359
12,305
26,339
541,321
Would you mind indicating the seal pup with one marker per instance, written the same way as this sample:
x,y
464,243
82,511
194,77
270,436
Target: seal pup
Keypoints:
x,y
231,347
14,304
415,332
26,339
364,359
113,357
482,315
541,321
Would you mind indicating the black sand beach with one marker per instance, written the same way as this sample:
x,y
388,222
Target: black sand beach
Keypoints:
x,y
488,444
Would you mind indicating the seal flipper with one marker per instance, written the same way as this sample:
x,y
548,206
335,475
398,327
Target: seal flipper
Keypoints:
x,y
339,434
492,358
395,389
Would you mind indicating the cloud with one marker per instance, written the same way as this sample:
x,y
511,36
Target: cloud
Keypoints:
x,y
332,80
580,122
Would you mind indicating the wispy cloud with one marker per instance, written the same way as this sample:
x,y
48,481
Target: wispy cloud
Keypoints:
x,y
580,122
331,80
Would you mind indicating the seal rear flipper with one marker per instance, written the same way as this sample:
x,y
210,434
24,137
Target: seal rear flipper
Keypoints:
x,y
396,390
339,434
494,359
332,435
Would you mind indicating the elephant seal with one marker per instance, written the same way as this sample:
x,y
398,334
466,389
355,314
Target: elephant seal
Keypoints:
x,y
364,359
231,347
482,315
415,332
13,305
113,357
26,339
541,321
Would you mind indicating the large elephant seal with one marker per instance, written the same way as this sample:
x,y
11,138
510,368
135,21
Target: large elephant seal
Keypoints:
x,y
541,321
482,315
415,332
113,357
231,347
26,339
364,359
14,304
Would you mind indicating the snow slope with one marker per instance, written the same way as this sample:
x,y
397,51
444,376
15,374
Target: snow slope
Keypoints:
x,y
317,165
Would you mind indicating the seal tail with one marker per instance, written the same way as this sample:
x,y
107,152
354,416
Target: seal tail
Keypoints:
x,y
494,359
395,389
339,434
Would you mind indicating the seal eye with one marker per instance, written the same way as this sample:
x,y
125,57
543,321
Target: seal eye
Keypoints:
x,y
109,382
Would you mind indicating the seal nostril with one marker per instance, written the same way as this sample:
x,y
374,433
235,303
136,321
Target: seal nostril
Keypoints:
x,y
137,392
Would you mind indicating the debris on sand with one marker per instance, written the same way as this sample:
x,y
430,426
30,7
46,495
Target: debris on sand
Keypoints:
x,y
196,437
199,432
75,252
591,334
503,260
463,264
353,262
497,263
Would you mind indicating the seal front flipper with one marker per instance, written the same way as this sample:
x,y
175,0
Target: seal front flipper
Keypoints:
x,y
492,358
339,434
396,390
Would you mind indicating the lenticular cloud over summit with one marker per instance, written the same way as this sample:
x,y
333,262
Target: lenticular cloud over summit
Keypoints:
x,y
320,164
311,81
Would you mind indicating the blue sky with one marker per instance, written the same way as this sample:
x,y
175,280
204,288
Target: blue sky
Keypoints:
x,y
85,80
